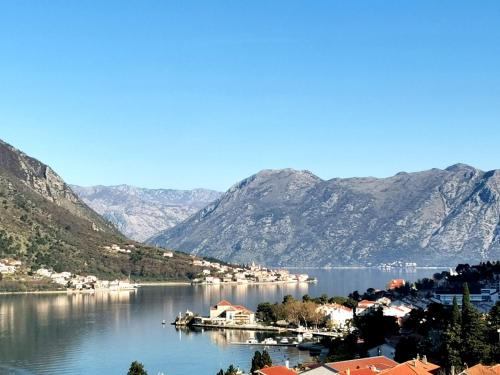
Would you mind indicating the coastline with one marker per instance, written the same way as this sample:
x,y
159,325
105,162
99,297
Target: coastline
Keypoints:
x,y
58,291
164,283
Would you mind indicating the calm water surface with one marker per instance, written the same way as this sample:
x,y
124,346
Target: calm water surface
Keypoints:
x,y
103,333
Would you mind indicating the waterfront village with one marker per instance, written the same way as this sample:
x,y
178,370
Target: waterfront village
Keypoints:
x,y
215,273
210,273
426,327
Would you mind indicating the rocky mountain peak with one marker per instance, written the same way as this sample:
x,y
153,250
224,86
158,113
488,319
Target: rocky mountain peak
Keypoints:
x,y
287,217
140,213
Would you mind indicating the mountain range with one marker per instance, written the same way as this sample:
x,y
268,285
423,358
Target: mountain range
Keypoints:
x,y
294,218
140,213
44,223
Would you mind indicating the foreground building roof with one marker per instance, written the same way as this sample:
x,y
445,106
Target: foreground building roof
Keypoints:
x,y
482,370
276,370
413,367
378,363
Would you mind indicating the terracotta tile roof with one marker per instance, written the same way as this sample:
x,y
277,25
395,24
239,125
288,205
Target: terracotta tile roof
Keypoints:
x,y
379,363
396,283
413,367
361,371
276,370
482,370
224,303
366,303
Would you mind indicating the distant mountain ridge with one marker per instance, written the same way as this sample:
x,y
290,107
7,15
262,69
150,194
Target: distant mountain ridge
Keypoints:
x,y
44,223
140,213
289,217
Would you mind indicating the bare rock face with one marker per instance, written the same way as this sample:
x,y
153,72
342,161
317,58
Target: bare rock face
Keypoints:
x,y
41,179
288,217
140,213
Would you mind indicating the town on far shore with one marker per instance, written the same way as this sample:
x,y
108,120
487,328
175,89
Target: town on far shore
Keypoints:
x,y
209,272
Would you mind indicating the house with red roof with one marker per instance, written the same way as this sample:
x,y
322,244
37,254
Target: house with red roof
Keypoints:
x,y
396,283
482,370
276,370
365,305
373,364
413,367
225,312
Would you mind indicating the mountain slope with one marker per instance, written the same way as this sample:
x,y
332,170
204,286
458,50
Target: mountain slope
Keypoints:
x,y
42,222
288,217
140,213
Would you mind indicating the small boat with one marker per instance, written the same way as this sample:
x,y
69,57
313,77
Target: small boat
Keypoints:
x,y
251,341
163,322
284,340
269,341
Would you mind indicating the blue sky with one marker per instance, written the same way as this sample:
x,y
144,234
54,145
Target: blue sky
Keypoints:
x,y
186,94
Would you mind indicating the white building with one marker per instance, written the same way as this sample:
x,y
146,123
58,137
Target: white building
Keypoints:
x,y
339,315
485,295
226,313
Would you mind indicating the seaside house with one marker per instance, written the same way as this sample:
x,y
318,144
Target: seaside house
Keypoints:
x,y
276,370
413,367
374,364
396,283
364,305
398,312
5,268
43,272
319,370
338,314
226,313
480,369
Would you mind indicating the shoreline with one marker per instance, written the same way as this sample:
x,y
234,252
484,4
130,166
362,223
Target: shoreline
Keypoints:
x,y
232,283
164,283
370,267
34,292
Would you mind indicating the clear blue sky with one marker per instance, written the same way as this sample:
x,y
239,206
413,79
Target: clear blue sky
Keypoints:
x,y
186,94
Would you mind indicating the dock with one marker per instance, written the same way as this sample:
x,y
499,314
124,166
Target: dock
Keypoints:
x,y
262,344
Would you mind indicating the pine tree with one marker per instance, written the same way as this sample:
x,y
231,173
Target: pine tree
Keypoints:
x,y
231,370
266,359
473,333
453,340
257,362
494,324
136,368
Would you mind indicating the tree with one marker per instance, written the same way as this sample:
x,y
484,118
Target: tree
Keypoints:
x,y
453,339
266,312
288,298
494,336
260,360
220,372
473,333
231,371
257,362
406,349
137,368
374,327
266,359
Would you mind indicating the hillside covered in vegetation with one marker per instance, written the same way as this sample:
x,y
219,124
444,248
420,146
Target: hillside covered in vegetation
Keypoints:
x,y
43,223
